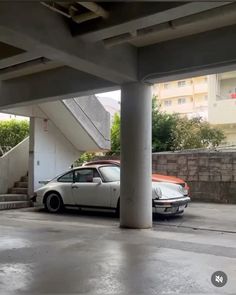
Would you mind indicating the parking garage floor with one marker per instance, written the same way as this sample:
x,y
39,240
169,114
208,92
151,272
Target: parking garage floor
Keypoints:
x,y
87,253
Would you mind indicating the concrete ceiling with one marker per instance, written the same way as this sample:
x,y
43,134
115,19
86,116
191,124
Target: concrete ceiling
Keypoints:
x,y
67,47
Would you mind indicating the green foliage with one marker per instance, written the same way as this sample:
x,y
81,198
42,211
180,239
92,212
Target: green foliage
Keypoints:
x,y
163,125
115,136
195,133
85,157
171,132
12,132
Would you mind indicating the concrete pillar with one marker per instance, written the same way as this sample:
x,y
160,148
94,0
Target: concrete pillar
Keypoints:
x,y
136,190
31,157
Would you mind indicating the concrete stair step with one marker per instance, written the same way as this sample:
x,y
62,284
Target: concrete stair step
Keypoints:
x,y
18,190
24,178
21,184
15,205
13,197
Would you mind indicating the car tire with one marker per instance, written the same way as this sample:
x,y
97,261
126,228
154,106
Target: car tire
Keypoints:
x,y
118,208
53,202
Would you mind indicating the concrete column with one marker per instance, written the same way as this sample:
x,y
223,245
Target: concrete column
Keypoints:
x,y
136,190
31,157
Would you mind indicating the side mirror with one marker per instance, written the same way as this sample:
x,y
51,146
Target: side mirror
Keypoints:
x,y
97,180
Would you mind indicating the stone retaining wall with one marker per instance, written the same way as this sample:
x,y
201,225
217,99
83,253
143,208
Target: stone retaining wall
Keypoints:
x,y
210,175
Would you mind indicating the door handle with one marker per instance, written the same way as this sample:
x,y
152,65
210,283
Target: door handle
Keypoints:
x,y
74,186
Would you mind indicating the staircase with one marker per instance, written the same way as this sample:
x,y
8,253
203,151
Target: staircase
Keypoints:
x,y
17,196
67,128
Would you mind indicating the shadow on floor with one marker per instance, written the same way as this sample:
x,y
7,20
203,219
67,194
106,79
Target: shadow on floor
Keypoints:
x,y
74,213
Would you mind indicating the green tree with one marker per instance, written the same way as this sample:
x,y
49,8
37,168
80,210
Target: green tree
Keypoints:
x,y
195,133
115,136
162,128
85,157
171,132
12,132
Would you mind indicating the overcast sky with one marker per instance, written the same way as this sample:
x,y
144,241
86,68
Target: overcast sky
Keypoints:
x,y
113,94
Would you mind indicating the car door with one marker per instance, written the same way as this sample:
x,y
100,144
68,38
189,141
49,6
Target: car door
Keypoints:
x,y
87,193
65,187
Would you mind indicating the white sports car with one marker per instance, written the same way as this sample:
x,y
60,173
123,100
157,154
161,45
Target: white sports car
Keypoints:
x,y
98,187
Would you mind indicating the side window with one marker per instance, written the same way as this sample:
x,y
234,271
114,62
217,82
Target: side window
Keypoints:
x,y
84,175
68,177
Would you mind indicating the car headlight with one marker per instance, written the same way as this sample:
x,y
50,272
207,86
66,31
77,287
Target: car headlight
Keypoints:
x,y
158,192
183,190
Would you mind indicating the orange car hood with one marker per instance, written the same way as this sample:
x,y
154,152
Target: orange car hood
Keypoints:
x,y
172,179
155,177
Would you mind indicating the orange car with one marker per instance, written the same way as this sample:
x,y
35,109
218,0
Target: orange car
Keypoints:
x,y
155,177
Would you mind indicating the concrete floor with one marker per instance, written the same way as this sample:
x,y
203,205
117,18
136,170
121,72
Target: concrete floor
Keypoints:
x,y
77,253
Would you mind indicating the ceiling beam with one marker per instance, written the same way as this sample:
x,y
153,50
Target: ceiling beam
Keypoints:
x,y
204,53
152,19
27,68
18,59
31,26
60,83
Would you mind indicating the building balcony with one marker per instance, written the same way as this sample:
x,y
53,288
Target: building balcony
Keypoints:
x,y
200,88
222,111
201,103
188,90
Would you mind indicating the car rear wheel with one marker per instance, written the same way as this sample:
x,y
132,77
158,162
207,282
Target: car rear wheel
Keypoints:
x,y
53,202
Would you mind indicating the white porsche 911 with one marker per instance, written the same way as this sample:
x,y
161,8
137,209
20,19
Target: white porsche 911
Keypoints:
x,y
98,187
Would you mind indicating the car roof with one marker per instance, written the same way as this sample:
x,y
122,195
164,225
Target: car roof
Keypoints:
x,y
94,166
99,162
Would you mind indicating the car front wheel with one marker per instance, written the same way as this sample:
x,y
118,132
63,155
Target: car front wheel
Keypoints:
x,y
53,202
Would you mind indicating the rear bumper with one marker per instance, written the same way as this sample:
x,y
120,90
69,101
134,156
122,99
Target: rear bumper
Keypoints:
x,y
170,206
37,200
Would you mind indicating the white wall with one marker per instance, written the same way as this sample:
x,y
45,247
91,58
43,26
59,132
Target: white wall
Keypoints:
x,y
221,111
52,152
13,165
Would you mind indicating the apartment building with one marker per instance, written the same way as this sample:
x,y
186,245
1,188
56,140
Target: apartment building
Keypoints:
x,y
211,97
222,103
187,97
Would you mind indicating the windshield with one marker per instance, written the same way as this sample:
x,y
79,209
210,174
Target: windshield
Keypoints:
x,y
110,173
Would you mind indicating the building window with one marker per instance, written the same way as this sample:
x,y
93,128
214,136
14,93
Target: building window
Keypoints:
x,y
167,103
166,85
181,100
182,83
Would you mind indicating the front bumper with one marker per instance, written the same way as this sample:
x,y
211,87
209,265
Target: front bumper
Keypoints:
x,y
170,206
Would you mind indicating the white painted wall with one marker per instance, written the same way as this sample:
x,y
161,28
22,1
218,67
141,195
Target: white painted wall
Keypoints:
x,y
13,165
222,109
52,154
